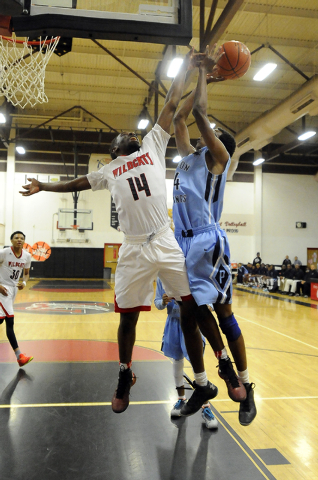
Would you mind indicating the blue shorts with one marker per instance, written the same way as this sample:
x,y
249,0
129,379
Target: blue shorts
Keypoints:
x,y
207,255
173,345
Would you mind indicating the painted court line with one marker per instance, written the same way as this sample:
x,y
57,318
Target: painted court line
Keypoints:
x,y
278,333
147,402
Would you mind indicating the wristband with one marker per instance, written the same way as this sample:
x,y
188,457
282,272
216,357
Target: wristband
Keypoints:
x,y
24,283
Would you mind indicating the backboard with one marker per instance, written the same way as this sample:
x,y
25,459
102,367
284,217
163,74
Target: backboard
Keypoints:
x,y
154,21
70,219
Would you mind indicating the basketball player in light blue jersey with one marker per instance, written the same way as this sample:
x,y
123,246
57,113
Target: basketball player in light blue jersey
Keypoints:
x,y
199,186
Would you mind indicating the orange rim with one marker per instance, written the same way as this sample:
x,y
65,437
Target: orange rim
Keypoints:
x,y
45,42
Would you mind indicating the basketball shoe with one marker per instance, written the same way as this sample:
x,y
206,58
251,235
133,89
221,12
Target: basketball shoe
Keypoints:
x,y
126,380
235,387
248,410
23,359
176,410
209,419
199,397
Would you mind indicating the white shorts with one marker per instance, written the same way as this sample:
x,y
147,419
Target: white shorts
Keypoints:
x,y
141,260
6,303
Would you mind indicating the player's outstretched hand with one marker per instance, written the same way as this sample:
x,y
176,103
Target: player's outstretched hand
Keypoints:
x,y
31,188
212,56
3,291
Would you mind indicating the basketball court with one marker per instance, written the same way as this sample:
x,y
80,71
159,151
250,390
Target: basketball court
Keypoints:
x,y
107,70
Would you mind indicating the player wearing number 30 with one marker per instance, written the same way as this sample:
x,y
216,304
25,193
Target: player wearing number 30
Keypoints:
x,y
13,261
136,180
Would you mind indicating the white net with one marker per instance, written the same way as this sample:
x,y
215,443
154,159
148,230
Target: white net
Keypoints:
x,y
22,70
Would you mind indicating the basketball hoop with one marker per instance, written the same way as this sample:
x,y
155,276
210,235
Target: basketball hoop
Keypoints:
x,y
75,227
22,69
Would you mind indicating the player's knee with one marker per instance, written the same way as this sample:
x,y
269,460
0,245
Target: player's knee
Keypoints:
x,y
230,328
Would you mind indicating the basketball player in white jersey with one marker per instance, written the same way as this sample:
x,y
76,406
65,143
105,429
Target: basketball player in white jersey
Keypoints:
x,y
13,261
198,200
136,180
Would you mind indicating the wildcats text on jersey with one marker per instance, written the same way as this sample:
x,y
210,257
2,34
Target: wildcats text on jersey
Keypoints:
x,y
16,264
137,162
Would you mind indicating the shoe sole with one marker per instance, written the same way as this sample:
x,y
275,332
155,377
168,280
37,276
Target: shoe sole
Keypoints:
x,y
133,381
23,365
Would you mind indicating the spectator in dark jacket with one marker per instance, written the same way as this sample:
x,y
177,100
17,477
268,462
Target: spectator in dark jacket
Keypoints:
x,y
257,259
304,285
271,279
288,275
292,282
286,261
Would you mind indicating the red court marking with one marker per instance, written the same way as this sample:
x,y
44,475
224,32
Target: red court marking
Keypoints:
x,y
74,351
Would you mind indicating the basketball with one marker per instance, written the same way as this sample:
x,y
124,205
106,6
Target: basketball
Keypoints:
x,y
236,60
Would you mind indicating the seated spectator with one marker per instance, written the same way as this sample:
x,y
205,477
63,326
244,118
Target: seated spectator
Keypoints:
x,y
255,275
257,259
241,271
286,261
304,285
249,268
292,282
280,277
288,274
297,262
271,279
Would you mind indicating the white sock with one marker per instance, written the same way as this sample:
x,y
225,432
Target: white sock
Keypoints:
x,y
177,367
201,379
17,352
243,376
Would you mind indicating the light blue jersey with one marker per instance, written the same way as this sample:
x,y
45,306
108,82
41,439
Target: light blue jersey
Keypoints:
x,y
197,208
197,193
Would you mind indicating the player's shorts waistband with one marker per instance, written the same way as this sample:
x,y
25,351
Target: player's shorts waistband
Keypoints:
x,y
139,239
196,231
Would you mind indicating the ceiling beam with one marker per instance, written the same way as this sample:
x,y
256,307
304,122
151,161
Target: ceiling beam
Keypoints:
x,y
230,10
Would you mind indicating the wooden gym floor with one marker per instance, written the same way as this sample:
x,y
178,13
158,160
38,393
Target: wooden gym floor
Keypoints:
x,y
56,420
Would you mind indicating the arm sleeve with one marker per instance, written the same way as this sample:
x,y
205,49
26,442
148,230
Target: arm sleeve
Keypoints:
x,y
98,180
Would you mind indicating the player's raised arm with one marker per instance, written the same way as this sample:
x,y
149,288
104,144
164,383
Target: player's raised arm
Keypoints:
x,y
175,92
216,148
35,186
180,127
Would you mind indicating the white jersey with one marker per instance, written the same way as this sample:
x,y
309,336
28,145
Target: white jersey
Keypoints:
x,y
138,186
11,266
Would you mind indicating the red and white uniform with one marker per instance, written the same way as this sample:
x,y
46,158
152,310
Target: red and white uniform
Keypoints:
x,y
138,187
11,268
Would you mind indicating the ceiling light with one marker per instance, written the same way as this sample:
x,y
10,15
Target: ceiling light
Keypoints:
x,y
143,123
258,161
212,125
265,71
176,159
2,118
306,135
20,149
174,67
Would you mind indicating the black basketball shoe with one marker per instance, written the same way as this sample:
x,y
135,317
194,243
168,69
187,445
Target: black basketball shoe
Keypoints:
x,y
199,397
120,400
248,410
235,387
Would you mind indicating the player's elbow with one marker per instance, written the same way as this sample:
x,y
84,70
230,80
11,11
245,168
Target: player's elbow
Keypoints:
x,y
198,111
178,119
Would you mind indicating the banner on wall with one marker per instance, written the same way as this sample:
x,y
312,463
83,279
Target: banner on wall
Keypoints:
x,y
237,224
312,257
96,162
